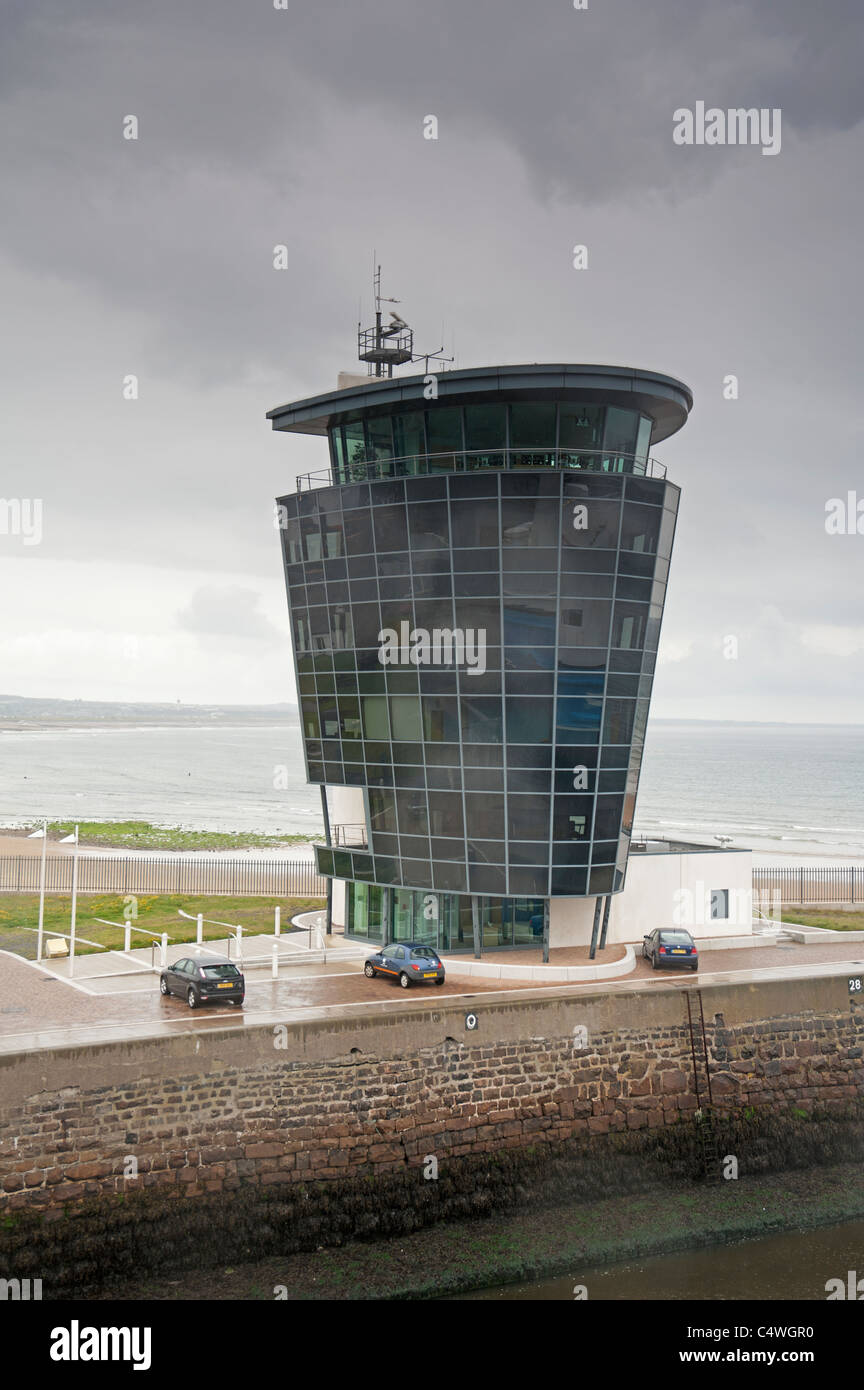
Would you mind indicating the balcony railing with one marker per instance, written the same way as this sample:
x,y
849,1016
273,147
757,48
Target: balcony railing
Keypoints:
x,y
476,460
349,836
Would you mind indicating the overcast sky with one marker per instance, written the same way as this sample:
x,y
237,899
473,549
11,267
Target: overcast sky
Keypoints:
x,y
158,574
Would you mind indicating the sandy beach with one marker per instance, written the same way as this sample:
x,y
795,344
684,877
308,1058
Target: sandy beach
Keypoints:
x,y
13,843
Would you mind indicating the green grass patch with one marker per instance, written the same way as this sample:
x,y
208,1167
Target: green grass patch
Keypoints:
x,y
139,834
834,919
156,912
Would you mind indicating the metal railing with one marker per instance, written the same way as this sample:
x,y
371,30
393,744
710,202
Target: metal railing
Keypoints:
x,y
353,836
110,874
812,883
476,460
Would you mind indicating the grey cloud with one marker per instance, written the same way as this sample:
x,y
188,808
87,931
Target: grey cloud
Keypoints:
x,y
229,611
304,127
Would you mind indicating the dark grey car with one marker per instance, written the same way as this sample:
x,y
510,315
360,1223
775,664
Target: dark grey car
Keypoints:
x,y
208,979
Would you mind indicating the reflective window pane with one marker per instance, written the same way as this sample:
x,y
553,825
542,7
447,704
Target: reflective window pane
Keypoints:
x,y
475,523
429,526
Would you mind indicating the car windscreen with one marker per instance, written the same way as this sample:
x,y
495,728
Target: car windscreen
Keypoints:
x,y
678,938
423,953
220,972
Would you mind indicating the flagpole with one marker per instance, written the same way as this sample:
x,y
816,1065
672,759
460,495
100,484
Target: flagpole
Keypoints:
x,y
42,890
35,835
74,903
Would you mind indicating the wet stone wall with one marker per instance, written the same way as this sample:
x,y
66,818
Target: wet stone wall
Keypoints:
x,y
222,1127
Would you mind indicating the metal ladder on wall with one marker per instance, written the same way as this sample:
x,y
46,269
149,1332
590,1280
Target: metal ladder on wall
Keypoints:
x,y
709,1149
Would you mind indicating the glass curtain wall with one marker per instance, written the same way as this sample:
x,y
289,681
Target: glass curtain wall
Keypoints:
x,y
442,920
537,434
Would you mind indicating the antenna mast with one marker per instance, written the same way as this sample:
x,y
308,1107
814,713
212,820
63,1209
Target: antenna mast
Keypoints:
x,y
384,347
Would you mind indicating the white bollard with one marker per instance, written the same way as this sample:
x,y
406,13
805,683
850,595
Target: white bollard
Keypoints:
x,y
278,924
127,937
200,933
239,945
163,950
275,967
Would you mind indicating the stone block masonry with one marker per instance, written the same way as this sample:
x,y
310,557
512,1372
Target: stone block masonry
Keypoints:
x,y
339,1098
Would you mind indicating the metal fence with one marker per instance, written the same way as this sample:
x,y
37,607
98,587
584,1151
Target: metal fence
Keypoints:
x,y
276,878
812,884
299,877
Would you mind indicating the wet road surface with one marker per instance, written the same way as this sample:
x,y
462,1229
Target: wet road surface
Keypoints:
x,y
38,1010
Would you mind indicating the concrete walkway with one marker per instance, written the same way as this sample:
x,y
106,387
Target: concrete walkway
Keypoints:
x,y
112,972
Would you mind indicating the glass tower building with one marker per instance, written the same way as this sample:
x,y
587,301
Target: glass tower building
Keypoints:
x,y
476,586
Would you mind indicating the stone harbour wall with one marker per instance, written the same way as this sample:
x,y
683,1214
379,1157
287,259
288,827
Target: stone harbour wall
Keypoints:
x,y
319,1103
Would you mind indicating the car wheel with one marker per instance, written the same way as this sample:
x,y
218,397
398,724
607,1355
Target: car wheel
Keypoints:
x,y
439,982
403,980
694,967
191,998
369,971
238,1002
163,985
653,962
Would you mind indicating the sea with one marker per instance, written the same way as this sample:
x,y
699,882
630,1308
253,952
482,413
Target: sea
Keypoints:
x,y
788,792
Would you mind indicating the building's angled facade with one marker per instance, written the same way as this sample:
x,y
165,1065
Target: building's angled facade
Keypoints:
x,y
476,587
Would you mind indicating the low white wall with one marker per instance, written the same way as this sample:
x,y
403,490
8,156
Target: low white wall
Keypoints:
x,y
572,974
813,935
664,890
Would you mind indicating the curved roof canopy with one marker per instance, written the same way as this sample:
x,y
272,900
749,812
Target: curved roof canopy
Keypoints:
x,y
665,399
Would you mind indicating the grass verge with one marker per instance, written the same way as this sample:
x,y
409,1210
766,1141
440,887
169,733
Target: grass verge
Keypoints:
x,y
834,919
156,912
139,834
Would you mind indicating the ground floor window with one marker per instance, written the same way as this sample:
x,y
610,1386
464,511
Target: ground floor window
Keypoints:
x,y
719,903
365,911
442,920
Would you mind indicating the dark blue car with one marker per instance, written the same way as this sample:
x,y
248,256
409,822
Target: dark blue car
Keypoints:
x,y
666,947
409,962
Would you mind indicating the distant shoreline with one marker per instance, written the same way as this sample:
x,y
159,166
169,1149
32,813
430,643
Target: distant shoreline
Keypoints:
x,y
48,713
266,716
15,726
